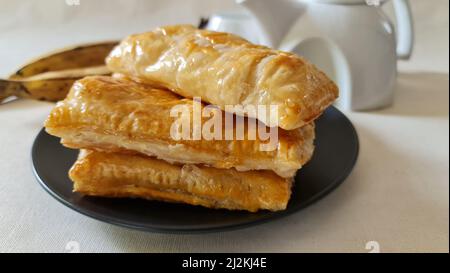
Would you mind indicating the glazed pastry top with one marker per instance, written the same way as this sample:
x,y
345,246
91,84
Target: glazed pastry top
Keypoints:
x,y
224,69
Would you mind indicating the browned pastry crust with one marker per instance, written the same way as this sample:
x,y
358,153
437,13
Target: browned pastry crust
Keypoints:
x,y
116,114
224,69
120,175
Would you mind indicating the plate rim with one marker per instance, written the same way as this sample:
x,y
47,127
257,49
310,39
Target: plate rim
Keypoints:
x,y
227,227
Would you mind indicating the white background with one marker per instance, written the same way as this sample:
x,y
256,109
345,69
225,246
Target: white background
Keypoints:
x,y
398,194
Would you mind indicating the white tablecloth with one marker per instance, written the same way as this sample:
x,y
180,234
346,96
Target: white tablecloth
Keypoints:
x,y
397,195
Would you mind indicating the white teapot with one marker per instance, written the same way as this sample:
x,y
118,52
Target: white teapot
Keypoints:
x,y
353,41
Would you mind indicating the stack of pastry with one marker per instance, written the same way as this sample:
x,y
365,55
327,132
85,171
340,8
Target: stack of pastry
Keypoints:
x,y
124,127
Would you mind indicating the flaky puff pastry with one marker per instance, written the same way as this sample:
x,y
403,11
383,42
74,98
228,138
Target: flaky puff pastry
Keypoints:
x,y
119,115
121,175
224,69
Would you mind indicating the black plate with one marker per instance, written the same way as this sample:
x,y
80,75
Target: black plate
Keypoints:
x,y
335,155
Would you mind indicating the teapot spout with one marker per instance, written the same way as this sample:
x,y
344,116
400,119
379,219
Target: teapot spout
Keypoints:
x,y
275,17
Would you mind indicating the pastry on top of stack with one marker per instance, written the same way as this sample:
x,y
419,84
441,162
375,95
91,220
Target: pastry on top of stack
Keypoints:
x,y
224,69
125,122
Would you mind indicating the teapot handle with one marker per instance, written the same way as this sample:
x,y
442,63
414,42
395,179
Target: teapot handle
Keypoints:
x,y
405,29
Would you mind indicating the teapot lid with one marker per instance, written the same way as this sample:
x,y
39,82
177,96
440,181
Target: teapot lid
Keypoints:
x,y
351,2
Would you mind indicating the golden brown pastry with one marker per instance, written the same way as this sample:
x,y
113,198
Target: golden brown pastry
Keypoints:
x,y
224,69
119,175
117,115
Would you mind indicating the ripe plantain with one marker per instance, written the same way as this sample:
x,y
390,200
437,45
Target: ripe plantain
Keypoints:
x,y
35,81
